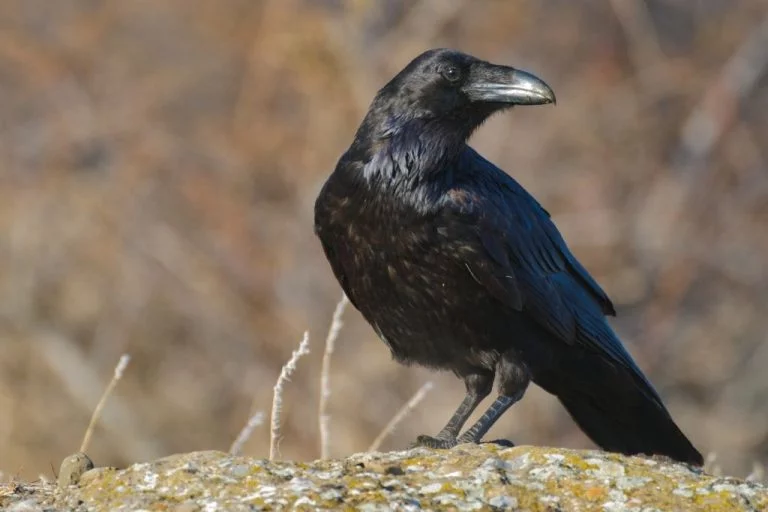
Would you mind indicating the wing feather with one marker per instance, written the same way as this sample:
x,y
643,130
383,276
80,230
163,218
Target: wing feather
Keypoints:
x,y
528,265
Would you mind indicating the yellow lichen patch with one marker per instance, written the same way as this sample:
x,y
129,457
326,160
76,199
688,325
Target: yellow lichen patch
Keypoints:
x,y
595,493
577,462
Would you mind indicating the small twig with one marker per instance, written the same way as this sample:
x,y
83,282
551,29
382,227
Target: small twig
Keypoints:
x,y
400,416
256,420
277,397
119,369
79,380
323,417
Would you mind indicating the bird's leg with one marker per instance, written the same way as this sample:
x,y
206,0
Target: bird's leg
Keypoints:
x,y
478,385
513,381
489,417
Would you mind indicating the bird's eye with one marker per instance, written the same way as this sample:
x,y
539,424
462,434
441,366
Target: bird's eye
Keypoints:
x,y
451,73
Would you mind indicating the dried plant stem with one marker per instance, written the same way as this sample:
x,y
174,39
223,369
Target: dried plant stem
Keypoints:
x,y
277,397
256,420
325,376
711,466
400,416
758,472
119,369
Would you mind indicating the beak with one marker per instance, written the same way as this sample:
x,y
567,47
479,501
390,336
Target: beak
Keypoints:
x,y
502,84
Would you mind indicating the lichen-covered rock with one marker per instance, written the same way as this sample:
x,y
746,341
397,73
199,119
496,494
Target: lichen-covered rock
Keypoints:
x,y
468,477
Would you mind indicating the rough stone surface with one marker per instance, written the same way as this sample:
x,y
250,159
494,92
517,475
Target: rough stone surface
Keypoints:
x,y
72,469
486,477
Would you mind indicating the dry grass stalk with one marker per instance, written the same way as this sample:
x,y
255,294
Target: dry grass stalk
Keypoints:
x,y
325,376
277,397
400,416
119,369
711,466
256,420
757,474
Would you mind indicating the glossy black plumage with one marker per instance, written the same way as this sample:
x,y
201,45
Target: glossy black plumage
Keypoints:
x,y
457,267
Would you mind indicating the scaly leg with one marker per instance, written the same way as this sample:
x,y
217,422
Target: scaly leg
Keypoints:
x,y
513,381
479,386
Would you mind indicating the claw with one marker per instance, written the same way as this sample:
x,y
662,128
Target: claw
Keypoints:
x,y
437,443
503,443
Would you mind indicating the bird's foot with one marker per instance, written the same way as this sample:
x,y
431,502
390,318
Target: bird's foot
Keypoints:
x,y
440,443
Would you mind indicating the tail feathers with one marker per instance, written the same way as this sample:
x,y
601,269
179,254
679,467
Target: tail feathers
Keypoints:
x,y
620,412
647,430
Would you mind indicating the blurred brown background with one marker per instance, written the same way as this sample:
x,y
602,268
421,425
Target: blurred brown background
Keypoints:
x,y
159,162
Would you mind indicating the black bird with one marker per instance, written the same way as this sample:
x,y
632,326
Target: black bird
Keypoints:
x,y
457,267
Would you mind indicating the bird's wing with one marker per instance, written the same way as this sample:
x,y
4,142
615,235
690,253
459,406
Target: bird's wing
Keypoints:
x,y
522,259
329,204
335,261
336,254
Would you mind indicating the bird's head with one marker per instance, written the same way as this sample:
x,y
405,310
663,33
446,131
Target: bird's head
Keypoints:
x,y
450,88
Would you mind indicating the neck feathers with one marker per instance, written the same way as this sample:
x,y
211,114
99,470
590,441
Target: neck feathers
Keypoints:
x,y
416,163
418,150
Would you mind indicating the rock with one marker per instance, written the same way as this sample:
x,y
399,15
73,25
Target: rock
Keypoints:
x,y
72,468
468,477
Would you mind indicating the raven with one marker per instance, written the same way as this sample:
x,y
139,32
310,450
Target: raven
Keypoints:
x,y
457,267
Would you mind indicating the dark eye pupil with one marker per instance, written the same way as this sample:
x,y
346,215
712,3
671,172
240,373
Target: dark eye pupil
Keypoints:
x,y
451,73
